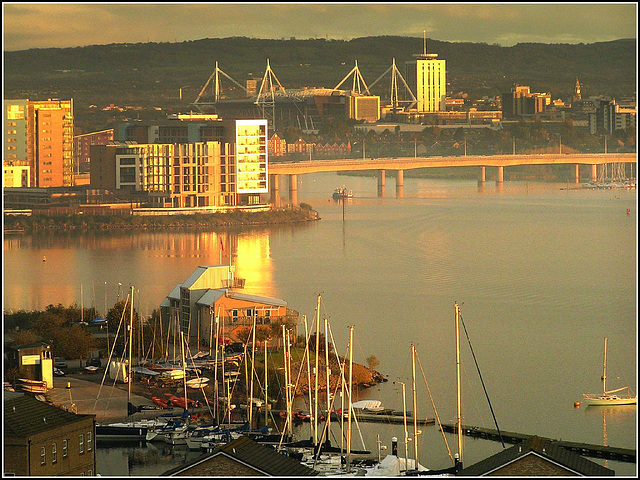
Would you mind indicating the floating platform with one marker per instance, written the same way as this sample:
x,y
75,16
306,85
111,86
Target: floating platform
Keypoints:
x,y
584,449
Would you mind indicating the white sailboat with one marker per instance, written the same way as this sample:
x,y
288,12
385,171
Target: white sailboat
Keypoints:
x,y
609,397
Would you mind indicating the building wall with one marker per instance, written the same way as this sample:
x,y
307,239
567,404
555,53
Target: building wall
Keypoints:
x,y
50,142
82,146
532,466
431,84
251,156
16,176
364,108
14,124
22,456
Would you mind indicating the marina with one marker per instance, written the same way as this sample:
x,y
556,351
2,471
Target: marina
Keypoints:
x,y
270,258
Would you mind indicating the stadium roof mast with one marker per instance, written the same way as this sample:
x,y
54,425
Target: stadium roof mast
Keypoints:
x,y
266,98
215,76
395,73
358,81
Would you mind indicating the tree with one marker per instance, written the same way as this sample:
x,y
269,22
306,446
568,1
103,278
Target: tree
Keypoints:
x,y
373,362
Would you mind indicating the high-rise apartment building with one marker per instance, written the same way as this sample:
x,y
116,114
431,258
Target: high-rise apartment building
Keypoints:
x,y
39,134
521,101
431,83
82,147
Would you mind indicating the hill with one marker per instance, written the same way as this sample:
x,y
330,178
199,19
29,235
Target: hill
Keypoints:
x,y
151,74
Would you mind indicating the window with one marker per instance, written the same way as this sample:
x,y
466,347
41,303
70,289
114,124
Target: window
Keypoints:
x,y
12,132
54,452
82,443
12,140
43,455
89,441
65,450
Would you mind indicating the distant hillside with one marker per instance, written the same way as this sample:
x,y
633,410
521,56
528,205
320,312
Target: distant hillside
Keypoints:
x,y
152,73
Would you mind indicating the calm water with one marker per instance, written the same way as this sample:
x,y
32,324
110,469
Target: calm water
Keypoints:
x,y
542,274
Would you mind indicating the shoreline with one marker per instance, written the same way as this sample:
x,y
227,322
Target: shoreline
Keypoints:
x,y
73,222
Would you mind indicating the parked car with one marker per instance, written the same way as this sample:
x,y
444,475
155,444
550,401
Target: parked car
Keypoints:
x,y
94,362
60,362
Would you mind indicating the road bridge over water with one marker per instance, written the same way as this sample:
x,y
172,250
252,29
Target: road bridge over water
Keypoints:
x,y
400,164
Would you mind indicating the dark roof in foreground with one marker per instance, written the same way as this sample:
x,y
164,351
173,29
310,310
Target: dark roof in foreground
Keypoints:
x,y
545,448
25,416
256,456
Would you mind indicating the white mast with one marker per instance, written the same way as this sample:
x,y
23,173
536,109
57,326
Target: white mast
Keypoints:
x,y
415,405
326,360
459,414
129,377
306,352
266,389
604,369
184,370
286,372
406,434
253,358
350,393
315,408
215,369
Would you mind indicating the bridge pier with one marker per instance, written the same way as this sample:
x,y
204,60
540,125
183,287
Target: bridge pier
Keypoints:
x,y
381,182
577,173
483,175
500,176
400,184
275,190
293,189
594,173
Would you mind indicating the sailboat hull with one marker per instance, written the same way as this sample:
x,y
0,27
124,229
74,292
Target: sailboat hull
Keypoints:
x,y
604,401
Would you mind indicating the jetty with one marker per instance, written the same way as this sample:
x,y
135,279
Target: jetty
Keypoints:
x,y
584,449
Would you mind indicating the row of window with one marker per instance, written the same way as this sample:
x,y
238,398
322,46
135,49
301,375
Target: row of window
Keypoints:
x,y
65,449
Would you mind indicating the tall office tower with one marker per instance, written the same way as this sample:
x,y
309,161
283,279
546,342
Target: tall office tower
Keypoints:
x,y
40,135
430,76
431,83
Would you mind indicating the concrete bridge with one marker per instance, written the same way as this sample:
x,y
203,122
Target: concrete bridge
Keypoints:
x,y
400,164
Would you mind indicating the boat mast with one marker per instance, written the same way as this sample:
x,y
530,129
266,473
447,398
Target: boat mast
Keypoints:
x,y
289,385
326,360
129,377
266,388
253,358
184,371
350,393
406,434
604,369
215,367
306,352
286,373
315,408
415,405
459,415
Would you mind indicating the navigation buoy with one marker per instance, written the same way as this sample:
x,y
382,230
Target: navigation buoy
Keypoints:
x,y
576,404
44,258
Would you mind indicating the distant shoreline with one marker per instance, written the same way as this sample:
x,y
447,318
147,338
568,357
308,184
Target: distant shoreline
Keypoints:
x,y
37,223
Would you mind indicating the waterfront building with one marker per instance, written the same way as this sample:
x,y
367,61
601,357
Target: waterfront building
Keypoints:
x,y
242,458
33,362
82,147
211,290
610,116
235,174
16,176
521,102
43,440
535,457
172,175
39,134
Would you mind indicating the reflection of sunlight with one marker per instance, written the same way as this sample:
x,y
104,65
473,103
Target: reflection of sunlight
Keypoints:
x,y
253,263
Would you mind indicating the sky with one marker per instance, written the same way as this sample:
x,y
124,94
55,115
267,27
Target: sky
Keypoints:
x,y
45,25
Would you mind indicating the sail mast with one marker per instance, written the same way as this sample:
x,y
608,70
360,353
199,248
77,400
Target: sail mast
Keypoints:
x,y
604,369
350,393
306,352
315,407
415,405
253,358
326,367
459,414
129,378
